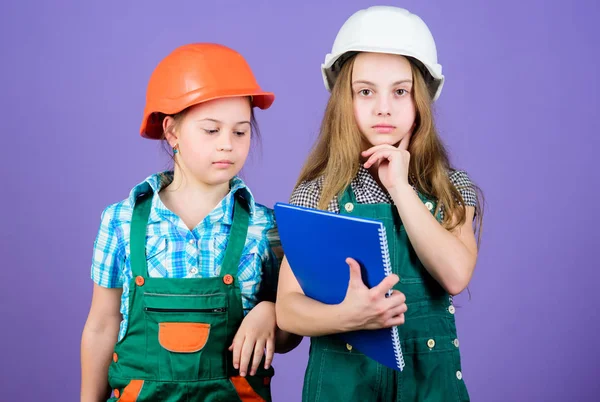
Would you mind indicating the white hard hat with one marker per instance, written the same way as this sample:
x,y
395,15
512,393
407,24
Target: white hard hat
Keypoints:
x,y
385,29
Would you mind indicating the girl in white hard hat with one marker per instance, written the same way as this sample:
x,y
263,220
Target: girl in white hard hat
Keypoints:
x,y
379,156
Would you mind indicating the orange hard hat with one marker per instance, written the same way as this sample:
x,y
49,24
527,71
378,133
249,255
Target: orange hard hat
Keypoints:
x,y
197,73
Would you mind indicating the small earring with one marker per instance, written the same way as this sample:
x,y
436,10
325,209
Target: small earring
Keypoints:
x,y
175,149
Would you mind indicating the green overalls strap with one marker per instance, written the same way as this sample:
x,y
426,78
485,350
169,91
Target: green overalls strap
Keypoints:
x,y
179,329
338,372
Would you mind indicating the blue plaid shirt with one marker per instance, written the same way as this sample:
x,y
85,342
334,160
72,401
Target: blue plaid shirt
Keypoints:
x,y
173,251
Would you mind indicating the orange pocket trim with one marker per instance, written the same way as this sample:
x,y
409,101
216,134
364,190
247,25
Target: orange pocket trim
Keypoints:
x,y
132,391
245,391
183,337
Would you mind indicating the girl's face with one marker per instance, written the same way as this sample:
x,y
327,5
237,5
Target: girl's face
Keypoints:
x,y
213,139
382,96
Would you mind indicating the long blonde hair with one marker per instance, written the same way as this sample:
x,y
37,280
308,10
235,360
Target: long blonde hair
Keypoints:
x,y
336,153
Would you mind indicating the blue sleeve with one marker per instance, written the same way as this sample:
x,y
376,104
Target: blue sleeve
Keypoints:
x,y
108,258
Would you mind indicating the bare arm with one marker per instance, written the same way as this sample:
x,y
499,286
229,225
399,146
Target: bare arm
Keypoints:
x,y
449,257
362,308
99,336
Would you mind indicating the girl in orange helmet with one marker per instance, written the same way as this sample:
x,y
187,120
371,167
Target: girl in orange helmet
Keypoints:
x,y
185,268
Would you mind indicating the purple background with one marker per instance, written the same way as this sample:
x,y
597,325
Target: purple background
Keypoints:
x,y
518,112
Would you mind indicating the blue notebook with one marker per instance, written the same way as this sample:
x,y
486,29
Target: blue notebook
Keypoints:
x,y
316,244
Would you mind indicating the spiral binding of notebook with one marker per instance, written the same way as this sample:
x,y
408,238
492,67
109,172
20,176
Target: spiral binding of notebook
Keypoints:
x,y
385,253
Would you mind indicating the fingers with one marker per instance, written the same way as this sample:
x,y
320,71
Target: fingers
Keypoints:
x,y
355,275
385,154
259,351
396,311
238,341
395,321
246,354
376,148
379,155
270,352
385,285
397,298
403,144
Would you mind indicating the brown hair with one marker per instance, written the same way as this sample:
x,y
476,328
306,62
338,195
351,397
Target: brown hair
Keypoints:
x,y
336,153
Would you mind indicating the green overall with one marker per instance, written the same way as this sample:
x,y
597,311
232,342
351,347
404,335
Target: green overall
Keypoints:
x,y
180,329
432,372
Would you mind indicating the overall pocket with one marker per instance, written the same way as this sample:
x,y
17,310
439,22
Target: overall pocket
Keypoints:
x,y
338,372
432,359
432,371
186,335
